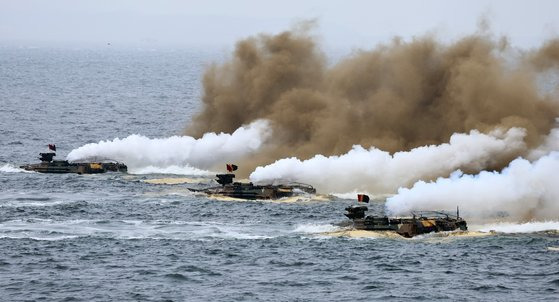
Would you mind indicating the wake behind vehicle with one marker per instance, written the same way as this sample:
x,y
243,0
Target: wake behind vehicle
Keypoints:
x,y
49,165
421,222
250,191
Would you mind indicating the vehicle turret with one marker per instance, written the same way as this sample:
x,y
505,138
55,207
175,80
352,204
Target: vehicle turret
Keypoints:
x,y
46,157
225,179
356,212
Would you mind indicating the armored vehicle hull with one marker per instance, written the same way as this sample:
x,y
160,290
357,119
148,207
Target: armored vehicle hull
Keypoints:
x,y
420,223
48,165
250,191
63,166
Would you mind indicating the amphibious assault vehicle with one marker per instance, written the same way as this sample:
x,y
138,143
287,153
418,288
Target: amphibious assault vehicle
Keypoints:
x,y
250,191
421,222
48,165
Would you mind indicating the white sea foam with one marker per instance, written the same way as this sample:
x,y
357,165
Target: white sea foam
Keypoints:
x,y
16,204
44,238
7,168
314,228
378,172
177,154
528,227
47,229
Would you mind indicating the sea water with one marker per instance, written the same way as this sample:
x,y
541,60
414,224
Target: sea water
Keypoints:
x,y
143,237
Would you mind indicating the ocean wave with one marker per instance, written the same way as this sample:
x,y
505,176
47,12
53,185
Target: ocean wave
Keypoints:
x,y
47,229
55,238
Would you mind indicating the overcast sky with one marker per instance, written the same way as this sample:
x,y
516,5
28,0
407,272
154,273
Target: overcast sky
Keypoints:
x,y
341,24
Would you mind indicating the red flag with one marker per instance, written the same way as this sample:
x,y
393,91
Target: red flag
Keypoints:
x,y
231,167
362,198
52,147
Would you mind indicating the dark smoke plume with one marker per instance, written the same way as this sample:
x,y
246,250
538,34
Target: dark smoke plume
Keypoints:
x,y
394,97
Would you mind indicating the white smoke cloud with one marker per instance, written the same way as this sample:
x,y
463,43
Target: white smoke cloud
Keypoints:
x,y
523,191
376,171
182,153
550,143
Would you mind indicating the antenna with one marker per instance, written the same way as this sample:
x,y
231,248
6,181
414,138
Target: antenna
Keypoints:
x,y
457,212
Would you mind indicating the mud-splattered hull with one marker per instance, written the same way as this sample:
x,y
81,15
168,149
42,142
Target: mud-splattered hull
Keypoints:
x,y
410,227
